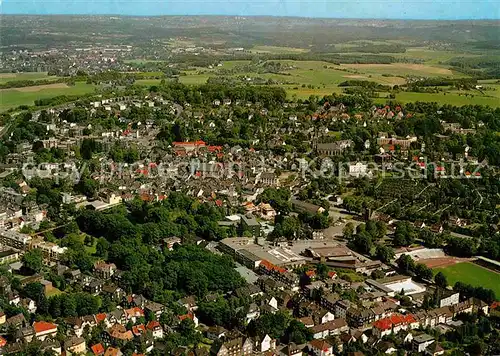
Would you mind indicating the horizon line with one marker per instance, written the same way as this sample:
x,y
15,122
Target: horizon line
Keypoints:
x,y
254,16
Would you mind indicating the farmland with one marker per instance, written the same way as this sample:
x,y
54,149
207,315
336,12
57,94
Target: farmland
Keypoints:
x,y
13,77
10,98
473,274
451,98
306,78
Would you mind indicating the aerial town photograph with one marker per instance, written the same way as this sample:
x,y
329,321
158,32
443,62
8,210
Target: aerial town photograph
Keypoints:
x,y
237,178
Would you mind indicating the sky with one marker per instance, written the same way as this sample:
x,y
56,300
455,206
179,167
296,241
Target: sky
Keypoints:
x,y
382,9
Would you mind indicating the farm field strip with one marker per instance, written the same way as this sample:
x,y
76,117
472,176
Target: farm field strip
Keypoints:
x,y
10,98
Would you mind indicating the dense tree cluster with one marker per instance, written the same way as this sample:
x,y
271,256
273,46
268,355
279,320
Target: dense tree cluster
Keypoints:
x,y
407,265
131,242
482,293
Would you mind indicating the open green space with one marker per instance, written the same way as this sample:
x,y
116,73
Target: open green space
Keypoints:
x,y
10,98
13,77
148,81
306,78
451,98
278,50
53,292
432,56
473,274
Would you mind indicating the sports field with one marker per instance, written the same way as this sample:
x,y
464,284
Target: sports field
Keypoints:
x,y
10,98
468,272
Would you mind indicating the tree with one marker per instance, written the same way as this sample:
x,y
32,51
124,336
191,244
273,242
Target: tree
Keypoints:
x,y
362,243
322,270
404,235
377,274
441,280
384,253
298,333
273,324
423,272
348,231
406,263
33,260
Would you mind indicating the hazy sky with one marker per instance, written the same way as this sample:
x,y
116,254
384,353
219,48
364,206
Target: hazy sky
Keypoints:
x,y
388,9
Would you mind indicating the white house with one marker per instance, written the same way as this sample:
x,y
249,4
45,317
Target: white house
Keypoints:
x,y
266,344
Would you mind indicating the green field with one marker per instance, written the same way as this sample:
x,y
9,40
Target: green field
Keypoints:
x,y
10,98
432,56
148,82
13,77
473,274
306,78
278,50
324,78
450,98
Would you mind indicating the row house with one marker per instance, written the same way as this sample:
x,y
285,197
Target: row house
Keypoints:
x,y
469,306
15,239
329,300
434,317
239,346
322,316
394,324
334,327
359,317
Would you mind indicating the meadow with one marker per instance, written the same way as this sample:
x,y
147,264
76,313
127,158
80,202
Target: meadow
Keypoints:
x,y
306,78
301,80
11,98
451,98
13,77
473,274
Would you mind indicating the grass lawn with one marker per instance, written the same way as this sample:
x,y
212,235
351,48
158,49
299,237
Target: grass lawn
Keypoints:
x,y
13,77
10,98
473,274
54,292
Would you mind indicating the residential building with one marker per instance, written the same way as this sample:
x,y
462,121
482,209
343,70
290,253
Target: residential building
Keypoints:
x,y
239,346
104,270
44,329
15,239
155,329
8,256
448,298
420,342
320,348
334,148
75,346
